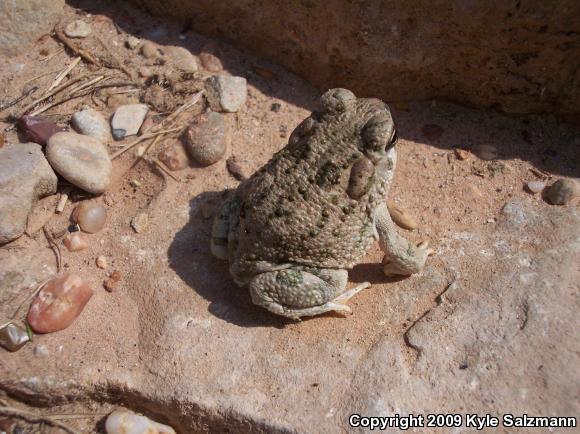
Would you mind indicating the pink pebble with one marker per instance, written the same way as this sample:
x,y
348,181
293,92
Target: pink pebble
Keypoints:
x,y
58,304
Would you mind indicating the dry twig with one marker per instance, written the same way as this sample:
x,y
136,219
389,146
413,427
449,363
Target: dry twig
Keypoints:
x,y
78,51
60,77
142,138
54,247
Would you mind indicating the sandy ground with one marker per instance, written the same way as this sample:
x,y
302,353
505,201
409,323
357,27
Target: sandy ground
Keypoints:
x,y
446,195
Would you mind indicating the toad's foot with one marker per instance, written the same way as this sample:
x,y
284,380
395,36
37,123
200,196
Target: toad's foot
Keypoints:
x,y
410,262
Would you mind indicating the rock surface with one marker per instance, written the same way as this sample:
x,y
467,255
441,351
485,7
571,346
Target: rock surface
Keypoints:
x,y
128,119
91,123
81,160
505,342
24,21
25,176
225,93
402,52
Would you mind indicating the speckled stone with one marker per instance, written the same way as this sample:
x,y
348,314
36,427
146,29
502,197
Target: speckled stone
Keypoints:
x,y
78,29
562,191
225,93
128,119
81,160
91,123
207,138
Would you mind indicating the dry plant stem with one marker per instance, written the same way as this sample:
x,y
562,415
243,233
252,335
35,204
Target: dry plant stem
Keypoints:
x,y
53,55
87,84
78,51
15,314
37,77
142,138
54,247
63,74
33,418
116,63
55,91
63,200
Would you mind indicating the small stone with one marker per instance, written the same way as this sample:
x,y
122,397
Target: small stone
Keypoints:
x,y
135,183
140,222
81,160
174,157
275,107
207,138
110,285
535,186
562,191
461,154
210,58
432,131
128,119
182,59
40,351
401,217
225,93
132,42
487,152
13,337
91,123
236,169
77,29
101,262
90,216
25,176
75,241
123,421
38,130
149,50
58,303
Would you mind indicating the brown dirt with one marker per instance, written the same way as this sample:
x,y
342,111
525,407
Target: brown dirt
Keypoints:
x,y
446,195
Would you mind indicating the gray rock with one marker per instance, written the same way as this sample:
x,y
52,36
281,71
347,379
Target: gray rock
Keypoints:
x,y
91,123
182,59
78,29
24,21
81,160
149,50
207,138
132,42
128,119
25,176
225,93
562,191
535,186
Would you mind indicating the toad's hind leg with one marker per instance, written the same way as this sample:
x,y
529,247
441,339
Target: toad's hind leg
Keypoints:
x,y
220,230
301,291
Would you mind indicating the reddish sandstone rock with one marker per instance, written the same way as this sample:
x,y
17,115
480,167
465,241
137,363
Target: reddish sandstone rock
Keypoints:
x,y
58,304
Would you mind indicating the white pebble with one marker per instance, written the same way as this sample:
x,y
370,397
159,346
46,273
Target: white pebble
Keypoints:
x,y
123,421
77,29
128,119
535,186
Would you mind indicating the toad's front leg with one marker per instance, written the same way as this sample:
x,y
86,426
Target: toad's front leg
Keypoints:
x,y
402,258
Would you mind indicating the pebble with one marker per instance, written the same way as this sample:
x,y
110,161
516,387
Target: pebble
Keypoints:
x,y
40,351
174,157
182,59
535,186
81,160
275,107
401,217
236,169
91,123
140,222
75,242
38,130
461,154
432,131
101,262
13,337
128,119
132,42
123,421
210,59
77,29
486,152
58,303
207,138
562,191
90,216
226,93
25,176
149,50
